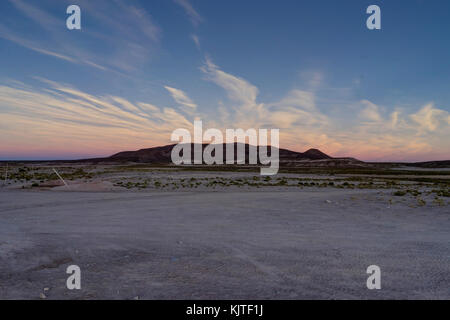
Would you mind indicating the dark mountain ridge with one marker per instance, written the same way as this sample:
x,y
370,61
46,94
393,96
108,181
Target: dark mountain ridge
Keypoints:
x,y
312,158
163,154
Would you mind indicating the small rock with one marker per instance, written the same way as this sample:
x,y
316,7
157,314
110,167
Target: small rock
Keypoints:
x,y
327,201
42,296
136,298
46,289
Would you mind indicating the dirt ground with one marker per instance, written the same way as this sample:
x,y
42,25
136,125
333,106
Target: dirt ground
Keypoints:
x,y
277,243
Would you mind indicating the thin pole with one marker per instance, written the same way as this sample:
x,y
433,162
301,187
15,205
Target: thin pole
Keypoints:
x,y
60,177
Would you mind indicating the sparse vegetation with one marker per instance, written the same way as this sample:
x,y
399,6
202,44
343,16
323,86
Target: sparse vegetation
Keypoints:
x,y
417,187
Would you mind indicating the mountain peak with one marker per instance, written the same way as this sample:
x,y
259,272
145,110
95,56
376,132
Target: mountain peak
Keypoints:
x,y
163,154
316,154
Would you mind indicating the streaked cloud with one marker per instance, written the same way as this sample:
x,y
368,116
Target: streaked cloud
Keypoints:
x,y
370,112
193,15
366,132
196,40
126,35
238,89
429,118
35,13
180,97
7,34
56,116
60,117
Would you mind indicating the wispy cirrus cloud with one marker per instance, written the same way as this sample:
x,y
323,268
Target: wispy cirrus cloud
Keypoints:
x,y
370,112
127,36
55,116
193,15
63,118
181,97
238,89
7,34
430,119
38,15
368,132
196,40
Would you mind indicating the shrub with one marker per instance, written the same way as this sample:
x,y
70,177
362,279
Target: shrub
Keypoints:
x,y
421,202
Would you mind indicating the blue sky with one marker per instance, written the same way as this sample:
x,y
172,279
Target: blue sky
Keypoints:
x,y
140,69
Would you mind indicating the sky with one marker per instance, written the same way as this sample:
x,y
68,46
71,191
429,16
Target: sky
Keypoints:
x,y
138,70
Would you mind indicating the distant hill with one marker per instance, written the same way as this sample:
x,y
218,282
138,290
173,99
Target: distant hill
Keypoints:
x,y
430,164
312,158
163,154
156,154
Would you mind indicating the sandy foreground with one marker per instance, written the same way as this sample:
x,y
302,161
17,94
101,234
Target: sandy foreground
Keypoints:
x,y
268,243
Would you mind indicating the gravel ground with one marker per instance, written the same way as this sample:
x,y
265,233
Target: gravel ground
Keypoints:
x,y
265,244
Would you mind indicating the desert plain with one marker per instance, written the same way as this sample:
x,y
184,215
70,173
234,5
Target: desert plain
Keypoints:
x,y
140,231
